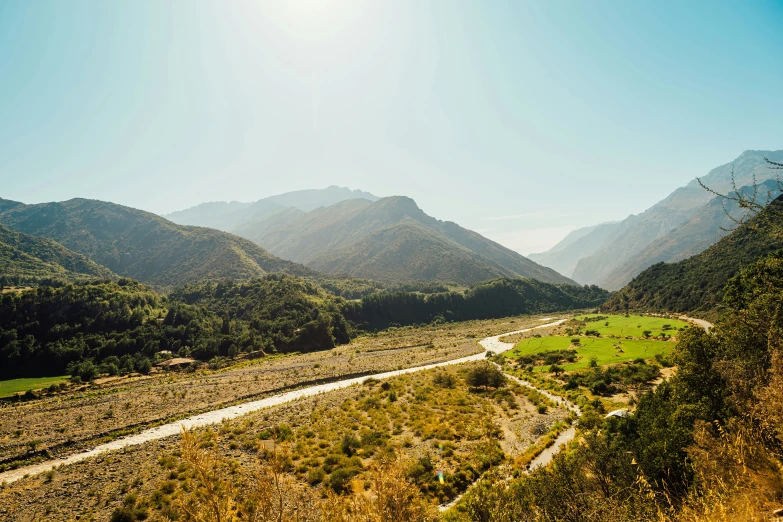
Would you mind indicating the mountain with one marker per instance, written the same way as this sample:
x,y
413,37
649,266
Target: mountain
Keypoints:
x,y
696,284
579,244
142,245
25,259
636,232
228,216
701,231
393,240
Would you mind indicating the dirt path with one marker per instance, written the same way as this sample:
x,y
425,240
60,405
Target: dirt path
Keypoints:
x,y
232,412
700,322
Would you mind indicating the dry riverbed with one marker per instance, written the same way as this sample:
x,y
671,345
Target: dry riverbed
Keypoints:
x,y
62,424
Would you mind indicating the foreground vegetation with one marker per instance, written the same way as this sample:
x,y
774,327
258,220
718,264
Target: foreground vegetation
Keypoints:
x,y
90,413
329,457
704,445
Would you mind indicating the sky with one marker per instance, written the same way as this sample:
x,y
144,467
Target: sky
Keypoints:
x,y
521,120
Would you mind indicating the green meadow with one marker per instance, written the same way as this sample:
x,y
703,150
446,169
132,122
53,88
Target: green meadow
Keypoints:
x,y
613,346
13,386
633,325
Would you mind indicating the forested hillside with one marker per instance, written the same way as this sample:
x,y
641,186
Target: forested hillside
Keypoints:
x,y
498,298
26,259
121,326
144,246
125,324
697,283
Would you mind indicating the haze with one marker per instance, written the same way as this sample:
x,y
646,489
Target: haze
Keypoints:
x,y
512,119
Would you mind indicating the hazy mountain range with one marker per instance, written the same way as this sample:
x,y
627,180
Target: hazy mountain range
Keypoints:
x,y
388,239
226,216
333,231
680,225
697,284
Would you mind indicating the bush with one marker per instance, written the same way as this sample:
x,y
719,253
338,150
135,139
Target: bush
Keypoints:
x,y
443,380
85,370
340,480
485,375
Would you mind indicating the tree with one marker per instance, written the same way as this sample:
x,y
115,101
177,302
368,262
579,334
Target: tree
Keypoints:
x,y
485,375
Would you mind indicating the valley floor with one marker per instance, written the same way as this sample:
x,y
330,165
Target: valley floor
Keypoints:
x,y
60,425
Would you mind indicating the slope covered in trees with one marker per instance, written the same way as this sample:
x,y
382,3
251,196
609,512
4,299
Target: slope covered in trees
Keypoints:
x,y
697,284
491,299
143,246
125,324
119,326
26,259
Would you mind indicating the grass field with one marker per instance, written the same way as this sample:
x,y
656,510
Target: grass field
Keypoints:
x,y
613,346
22,385
606,351
633,326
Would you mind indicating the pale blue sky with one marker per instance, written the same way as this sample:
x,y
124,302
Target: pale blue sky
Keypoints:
x,y
521,120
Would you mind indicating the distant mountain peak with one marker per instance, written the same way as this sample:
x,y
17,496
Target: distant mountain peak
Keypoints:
x,y
229,216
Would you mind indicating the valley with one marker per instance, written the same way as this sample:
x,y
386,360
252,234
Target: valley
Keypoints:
x,y
442,342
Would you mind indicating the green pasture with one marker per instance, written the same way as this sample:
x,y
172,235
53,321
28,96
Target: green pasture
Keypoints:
x,y
632,326
606,351
13,386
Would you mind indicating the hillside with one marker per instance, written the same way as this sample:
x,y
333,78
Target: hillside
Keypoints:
x,y
27,259
230,216
696,284
702,230
393,240
125,324
579,244
407,251
631,236
490,299
143,246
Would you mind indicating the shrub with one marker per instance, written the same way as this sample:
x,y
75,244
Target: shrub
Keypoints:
x,y
485,376
340,479
443,380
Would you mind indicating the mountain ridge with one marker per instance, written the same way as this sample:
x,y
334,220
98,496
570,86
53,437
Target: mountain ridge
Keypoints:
x,y
638,231
145,246
356,237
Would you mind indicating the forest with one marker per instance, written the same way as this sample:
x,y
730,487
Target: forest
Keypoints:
x,y
492,299
117,327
